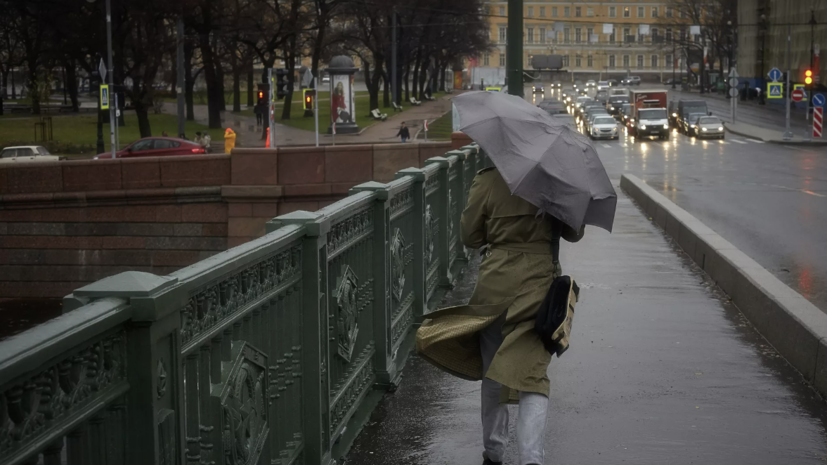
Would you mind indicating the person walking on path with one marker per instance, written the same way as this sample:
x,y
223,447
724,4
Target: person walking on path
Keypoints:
x,y
198,137
205,142
260,109
229,140
404,133
492,338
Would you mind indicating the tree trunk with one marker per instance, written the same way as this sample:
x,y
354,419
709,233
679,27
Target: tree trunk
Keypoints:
x,y
386,100
143,117
189,80
34,90
72,85
415,80
219,76
290,62
215,94
442,73
407,88
251,88
236,89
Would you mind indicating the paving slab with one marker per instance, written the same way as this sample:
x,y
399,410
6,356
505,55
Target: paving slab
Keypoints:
x,y
662,369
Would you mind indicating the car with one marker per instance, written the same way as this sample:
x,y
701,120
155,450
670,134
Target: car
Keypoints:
x,y
591,83
557,85
615,102
157,147
603,127
612,82
27,154
650,122
326,79
687,122
602,96
580,113
634,80
554,108
589,109
710,126
566,119
579,101
538,88
593,115
602,85
625,114
577,84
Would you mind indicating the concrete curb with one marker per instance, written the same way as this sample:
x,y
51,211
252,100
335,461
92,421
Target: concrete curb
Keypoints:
x,y
815,143
794,326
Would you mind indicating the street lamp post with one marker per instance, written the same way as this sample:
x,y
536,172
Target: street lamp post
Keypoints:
x,y
674,59
763,31
110,75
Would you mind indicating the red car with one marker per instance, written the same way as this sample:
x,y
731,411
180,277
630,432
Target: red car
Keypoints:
x,y
157,147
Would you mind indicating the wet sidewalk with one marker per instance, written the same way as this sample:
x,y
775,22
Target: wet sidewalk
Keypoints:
x,y
661,369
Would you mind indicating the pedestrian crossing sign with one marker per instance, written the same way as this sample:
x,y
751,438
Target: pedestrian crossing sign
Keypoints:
x,y
775,90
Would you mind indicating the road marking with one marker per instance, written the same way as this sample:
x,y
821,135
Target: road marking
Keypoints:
x,y
723,142
798,190
607,146
738,141
755,140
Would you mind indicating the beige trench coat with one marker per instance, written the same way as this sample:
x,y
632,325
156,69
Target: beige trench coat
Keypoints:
x,y
514,276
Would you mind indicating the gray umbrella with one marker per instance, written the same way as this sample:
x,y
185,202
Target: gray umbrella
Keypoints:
x,y
542,160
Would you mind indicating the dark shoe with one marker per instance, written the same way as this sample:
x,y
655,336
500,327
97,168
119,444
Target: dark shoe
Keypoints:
x,y
489,462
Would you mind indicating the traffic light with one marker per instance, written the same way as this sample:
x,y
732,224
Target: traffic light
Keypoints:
x,y
309,95
281,83
808,77
261,95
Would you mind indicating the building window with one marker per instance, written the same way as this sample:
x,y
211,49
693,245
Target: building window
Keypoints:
x,y
542,12
542,35
669,34
640,62
654,12
654,61
641,12
502,11
613,36
612,12
589,34
611,61
640,36
486,59
565,60
589,12
578,12
627,12
577,62
683,34
554,11
625,61
682,13
567,35
656,35
530,11
502,60
566,11
668,11
503,34
577,35
589,61
667,60
627,35
530,36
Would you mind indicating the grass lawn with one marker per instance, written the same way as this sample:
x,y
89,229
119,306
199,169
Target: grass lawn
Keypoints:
x,y
80,132
441,129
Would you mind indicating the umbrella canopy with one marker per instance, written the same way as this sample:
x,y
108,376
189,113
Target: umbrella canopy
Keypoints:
x,y
542,160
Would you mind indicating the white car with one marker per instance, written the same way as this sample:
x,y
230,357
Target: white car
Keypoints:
x,y
603,85
27,154
603,127
590,83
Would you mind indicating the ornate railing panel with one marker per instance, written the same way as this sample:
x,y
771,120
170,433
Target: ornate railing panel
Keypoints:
x,y
258,355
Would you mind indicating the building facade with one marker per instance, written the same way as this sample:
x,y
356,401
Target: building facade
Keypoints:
x,y
597,39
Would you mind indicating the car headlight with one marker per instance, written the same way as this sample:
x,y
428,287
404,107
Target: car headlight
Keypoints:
x,y
665,126
612,108
96,157
614,129
691,125
703,129
720,128
674,115
642,126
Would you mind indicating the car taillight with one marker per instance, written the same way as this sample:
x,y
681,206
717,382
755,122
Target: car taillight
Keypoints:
x,y
201,150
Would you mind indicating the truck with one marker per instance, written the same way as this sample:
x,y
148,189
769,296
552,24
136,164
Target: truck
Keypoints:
x,y
648,114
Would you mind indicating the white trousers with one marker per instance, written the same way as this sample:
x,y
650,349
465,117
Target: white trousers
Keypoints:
x,y
531,420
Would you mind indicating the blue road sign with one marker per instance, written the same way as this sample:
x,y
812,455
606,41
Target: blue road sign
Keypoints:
x,y
775,90
104,97
818,100
774,74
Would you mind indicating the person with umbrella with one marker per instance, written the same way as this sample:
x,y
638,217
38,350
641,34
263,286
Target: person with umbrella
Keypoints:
x,y
547,183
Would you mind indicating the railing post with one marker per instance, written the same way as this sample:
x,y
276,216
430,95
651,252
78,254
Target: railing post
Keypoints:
x,y
445,220
418,239
456,179
155,400
387,374
315,333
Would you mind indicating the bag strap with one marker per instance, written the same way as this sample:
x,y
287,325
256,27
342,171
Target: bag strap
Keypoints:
x,y
556,234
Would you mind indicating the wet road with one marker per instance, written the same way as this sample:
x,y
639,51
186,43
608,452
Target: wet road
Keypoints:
x,y
769,200
661,370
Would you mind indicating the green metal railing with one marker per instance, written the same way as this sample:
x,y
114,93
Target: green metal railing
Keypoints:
x,y
258,355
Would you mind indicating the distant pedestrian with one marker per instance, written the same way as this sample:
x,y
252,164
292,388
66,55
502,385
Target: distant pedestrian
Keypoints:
x,y
198,138
205,142
404,133
229,140
164,134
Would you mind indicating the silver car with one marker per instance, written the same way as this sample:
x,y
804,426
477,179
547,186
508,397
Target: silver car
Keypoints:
x,y
709,127
603,127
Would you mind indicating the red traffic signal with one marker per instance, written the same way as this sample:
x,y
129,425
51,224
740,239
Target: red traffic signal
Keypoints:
x,y
309,94
260,94
808,77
